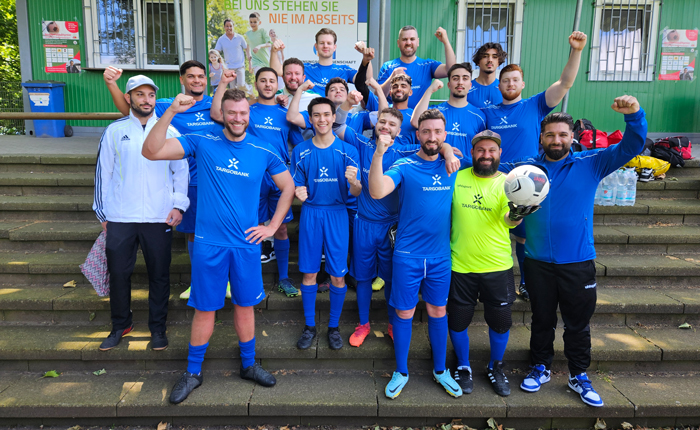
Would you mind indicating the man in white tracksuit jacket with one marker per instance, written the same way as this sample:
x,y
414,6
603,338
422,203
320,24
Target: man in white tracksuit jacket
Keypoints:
x,y
138,202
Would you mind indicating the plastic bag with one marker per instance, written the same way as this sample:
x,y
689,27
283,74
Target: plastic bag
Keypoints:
x,y
657,166
95,266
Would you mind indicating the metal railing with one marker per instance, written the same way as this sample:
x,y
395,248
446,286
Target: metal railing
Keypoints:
x,y
11,102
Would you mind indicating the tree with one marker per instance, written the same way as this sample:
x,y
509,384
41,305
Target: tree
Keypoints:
x,y
9,43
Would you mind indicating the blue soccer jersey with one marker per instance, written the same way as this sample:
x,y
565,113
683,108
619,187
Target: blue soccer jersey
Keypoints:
x,y
519,125
322,172
369,209
482,96
269,124
320,75
421,72
425,205
462,125
196,119
298,135
359,121
229,187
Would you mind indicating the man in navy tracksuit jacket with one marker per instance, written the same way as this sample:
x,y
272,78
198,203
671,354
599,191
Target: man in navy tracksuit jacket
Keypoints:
x,y
559,263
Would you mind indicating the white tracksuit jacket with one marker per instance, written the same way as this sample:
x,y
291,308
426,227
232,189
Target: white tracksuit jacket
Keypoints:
x,y
129,187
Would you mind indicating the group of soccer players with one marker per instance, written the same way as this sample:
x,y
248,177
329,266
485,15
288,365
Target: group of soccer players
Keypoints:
x,y
388,187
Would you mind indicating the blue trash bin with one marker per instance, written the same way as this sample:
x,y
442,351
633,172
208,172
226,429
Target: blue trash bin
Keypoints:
x,y
47,96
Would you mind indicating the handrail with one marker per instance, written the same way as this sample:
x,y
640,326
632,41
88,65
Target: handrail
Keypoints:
x,y
110,116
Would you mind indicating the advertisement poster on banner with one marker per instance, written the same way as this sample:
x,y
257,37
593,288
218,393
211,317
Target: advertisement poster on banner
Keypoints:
x,y
294,22
67,30
61,46
678,53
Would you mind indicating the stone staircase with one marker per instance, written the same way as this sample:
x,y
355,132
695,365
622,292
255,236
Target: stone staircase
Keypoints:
x,y
646,368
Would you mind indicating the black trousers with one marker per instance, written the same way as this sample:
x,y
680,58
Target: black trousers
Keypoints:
x,y
573,288
123,240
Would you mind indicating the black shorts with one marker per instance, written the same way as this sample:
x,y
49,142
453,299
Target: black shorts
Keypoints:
x,y
493,288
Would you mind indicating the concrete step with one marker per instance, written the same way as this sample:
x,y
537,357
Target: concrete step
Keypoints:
x,y
28,184
351,399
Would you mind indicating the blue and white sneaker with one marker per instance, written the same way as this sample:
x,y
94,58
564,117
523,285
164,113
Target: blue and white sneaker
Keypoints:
x,y
582,385
448,383
394,387
534,380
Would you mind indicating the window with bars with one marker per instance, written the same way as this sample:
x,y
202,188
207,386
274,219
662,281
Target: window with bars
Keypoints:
x,y
483,21
135,34
624,40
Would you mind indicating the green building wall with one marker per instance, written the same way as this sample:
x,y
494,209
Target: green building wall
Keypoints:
x,y
671,106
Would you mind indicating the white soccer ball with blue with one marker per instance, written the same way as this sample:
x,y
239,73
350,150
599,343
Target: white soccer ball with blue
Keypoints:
x,y
526,185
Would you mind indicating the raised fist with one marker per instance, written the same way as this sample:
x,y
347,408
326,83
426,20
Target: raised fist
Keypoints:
x,y
301,193
355,97
351,175
282,100
227,76
626,105
397,71
436,85
111,75
384,141
577,40
181,103
307,85
277,46
441,35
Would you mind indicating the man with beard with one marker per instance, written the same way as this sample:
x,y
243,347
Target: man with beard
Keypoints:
x,y
421,261
422,71
485,90
482,266
293,76
269,124
138,202
559,263
197,119
325,174
463,119
517,120
227,247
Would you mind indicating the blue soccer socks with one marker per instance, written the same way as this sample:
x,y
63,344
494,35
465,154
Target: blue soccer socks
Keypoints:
x,y
403,330
498,342
460,342
247,353
337,301
308,300
437,332
364,300
282,254
195,357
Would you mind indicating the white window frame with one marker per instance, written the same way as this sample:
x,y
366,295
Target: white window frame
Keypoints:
x,y
595,74
92,41
462,7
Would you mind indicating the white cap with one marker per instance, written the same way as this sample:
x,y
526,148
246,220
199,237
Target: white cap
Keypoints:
x,y
138,80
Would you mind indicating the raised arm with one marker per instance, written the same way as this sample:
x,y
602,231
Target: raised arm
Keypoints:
x,y
380,185
110,76
450,57
424,102
227,76
383,103
367,56
293,115
157,146
386,85
361,75
274,60
556,92
352,178
341,113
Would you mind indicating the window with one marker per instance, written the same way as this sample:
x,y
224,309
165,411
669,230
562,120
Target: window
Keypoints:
x,y
483,21
135,34
624,40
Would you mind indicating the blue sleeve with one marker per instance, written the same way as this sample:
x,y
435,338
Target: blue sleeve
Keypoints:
x,y
542,109
367,121
275,165
507,167
298,173
161,106
307,120
613,157
434,66
350,74
384,73
395,154
395,173
372,103
352,158
189,143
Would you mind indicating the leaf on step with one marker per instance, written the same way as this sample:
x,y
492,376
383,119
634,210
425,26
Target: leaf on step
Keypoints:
x,y
446,427
378,333
162,426
671,257
600,424
218,322
385,375
685,326
70,284
492,424
92,316
99,372
51,374
265,334
626,426
673,179
75,428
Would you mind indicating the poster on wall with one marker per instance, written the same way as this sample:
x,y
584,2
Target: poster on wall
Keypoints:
x,y
294,22
678,53
61,46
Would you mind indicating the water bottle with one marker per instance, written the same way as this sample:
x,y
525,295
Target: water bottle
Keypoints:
x,y
631,196
599,194
608,192
620,177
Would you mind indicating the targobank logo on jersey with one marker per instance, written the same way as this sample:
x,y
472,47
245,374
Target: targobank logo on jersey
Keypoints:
x,y
232,163
504,124
324,81
455,126
477,204
324,171
323,176
200,117
268,125
436,181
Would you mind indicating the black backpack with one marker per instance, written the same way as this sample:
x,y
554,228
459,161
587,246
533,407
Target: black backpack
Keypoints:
x,y
668,150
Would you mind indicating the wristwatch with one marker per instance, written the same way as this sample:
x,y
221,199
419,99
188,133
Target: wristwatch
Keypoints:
x,y
181,211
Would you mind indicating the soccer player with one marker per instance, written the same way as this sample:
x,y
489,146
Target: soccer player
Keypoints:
x,y
421,259
138,203
293,76
559,263
232,167
484,92
196,119
482,265
517,120
235,51
325,168
268,122
421,71
464,120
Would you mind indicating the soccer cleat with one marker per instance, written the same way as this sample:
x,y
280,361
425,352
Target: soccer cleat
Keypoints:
x,y
498,379
267,253
258,374
647,175
377,284
307,337
361,332
463,376
582,385
287,287
184,386
114,338
335,340
159,341
228,291
390,332
448,383
186,294
523,292
324,286
394,387
534,380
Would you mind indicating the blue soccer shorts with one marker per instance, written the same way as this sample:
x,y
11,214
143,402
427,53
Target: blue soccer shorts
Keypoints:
x,y
190,215
372,253
215,266
323,231
429,276
269,197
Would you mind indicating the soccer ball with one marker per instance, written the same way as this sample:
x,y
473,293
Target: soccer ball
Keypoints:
x,y
526,185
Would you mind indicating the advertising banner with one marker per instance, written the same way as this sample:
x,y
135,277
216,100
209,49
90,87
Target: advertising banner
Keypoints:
x,y
678,52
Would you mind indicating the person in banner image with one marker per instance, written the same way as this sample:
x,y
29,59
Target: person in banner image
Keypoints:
x,y
236,54
686,75
52,28
72,68
258,42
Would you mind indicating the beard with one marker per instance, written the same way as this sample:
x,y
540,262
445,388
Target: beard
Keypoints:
x,y
408,52
399,100
229,127
140,112
459,96
487,72
556,154
196,93
429,151
482,170
509,98
262,95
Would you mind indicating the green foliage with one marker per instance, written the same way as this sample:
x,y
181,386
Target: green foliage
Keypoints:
x,y
9,43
